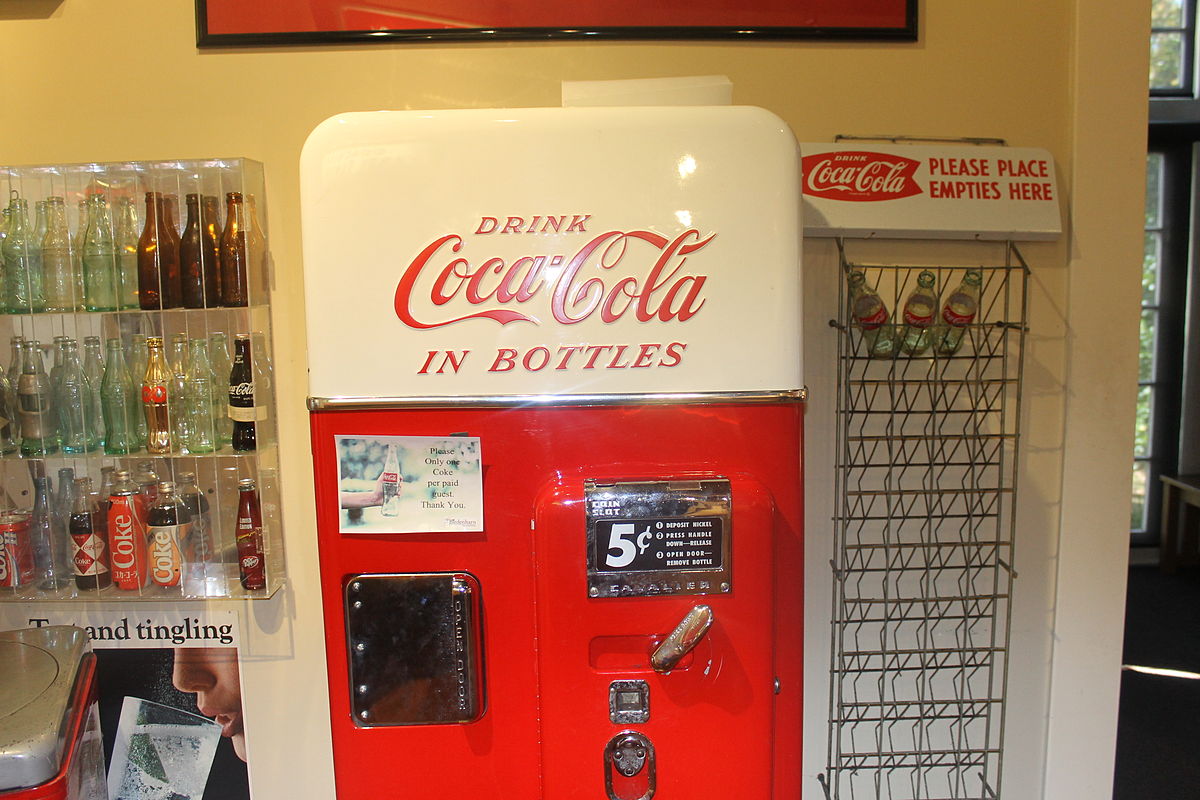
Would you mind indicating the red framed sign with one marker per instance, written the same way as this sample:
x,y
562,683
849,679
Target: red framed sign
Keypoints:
x,y
224,23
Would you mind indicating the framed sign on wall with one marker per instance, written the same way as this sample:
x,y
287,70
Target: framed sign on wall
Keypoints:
x,y
226,23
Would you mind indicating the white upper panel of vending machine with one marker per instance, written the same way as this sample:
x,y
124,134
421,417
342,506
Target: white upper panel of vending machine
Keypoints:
x,y
551,251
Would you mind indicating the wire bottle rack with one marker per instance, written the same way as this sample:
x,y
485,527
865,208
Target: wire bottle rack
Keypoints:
x,y
925,494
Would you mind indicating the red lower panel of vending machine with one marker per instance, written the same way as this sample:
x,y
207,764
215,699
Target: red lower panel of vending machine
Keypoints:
x,y
627,622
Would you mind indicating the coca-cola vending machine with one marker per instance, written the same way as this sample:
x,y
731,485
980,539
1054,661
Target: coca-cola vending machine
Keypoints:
x,y
556,401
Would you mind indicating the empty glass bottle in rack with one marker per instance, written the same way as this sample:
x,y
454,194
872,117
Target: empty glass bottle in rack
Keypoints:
x,y
197,260
9,427
235,290
23,291
870,316
200,397
181,432
958,312
99,258
158,258
78,429
57,263
919,309
210,233
126,244
35,404
119,401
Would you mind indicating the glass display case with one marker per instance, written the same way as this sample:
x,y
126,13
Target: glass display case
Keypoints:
x,y
138,456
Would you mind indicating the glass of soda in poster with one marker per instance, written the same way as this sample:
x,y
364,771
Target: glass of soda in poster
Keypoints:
x,y
161,753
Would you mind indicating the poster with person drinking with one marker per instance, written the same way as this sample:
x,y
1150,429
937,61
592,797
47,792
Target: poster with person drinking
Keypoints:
x,y
170,700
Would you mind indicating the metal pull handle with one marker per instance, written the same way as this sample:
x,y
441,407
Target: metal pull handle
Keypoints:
x,y
687,634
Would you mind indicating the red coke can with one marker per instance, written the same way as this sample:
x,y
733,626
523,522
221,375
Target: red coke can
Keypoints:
x,y
126,535
16,555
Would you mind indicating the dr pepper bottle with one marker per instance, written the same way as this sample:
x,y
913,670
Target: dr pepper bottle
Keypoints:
x,y
249,537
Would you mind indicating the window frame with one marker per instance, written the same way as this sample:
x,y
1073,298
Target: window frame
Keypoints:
x,y
1180,147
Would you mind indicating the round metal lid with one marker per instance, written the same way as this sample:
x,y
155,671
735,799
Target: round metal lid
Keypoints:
x,y
28,672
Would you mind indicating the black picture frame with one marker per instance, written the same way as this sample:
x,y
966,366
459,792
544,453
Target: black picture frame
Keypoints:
x,y
906,32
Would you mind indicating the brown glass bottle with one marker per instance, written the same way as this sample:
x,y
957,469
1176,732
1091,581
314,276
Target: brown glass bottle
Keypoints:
x,y
197,263
234,255
158,258
210,234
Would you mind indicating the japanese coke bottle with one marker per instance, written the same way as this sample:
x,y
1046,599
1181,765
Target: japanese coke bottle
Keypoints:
x,y
249,537
166,527
126,534
89,539
241,396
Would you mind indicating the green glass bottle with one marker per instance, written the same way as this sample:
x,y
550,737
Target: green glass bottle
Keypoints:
x,y
200,399
34,404
99,258
58,274
119,403
22,264
77,430
126,241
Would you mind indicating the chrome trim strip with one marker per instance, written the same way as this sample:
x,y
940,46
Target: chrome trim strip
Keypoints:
x,y
510,401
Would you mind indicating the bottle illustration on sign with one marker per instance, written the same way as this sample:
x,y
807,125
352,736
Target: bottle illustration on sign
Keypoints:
x,y
958,312
918,315
390,480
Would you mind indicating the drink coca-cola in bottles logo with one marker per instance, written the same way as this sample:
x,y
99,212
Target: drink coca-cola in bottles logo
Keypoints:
x,y
860,176
568,272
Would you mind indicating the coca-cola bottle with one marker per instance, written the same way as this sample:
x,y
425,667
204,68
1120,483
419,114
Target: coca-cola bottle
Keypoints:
x,y
958,312
155,389
89,540
250,537
870,316
241,395
390,480
126,534
918,315
166,526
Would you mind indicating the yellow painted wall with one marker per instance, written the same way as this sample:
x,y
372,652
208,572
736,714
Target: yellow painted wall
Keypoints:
x,y
122,79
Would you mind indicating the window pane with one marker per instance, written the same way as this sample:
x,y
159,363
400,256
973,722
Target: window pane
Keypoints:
x,y
1150,259
1146,353
1166,60
1141,431
1166,14
1154,169
1141,475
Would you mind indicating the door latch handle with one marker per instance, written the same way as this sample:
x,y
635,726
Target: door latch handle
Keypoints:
x,y
687,634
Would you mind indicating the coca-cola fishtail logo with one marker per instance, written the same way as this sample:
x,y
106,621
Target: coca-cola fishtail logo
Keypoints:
x,y
601,278
860,176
